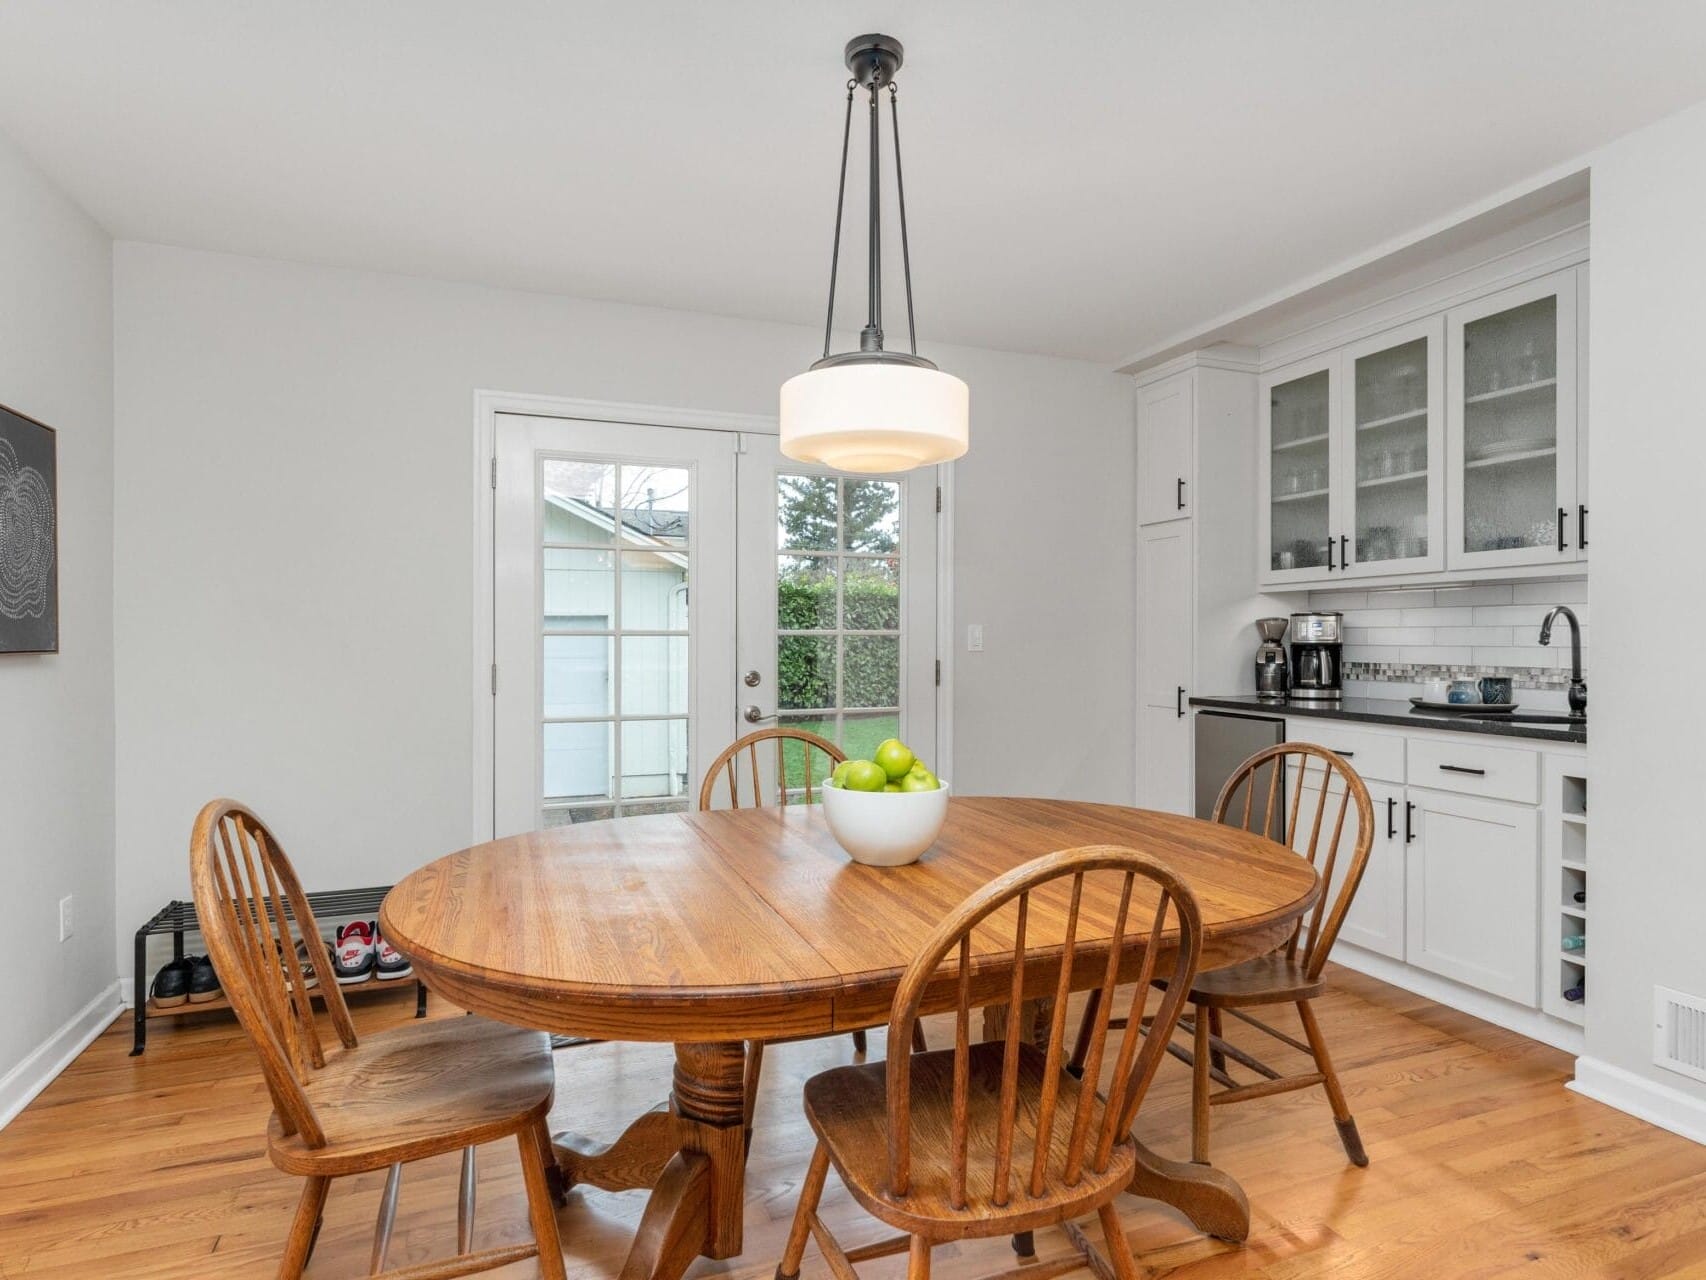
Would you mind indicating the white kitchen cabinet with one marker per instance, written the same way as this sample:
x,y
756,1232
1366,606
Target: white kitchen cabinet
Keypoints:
x,y
1299,458
1393,452
1451,444
1512,427
1165,577
1471,895
1164,438
1375,920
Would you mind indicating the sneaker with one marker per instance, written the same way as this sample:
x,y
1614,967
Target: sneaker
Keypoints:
x,y
392,963
171,985
354,958
310,967
204,982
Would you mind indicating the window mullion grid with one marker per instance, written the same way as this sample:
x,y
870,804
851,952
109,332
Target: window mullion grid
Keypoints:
x,y
616,656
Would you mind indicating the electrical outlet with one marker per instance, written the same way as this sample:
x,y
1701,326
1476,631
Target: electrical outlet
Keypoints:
x,y
974,638
65,917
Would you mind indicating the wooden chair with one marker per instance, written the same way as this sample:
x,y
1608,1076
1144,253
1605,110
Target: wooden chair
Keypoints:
x,y
1292,974
728,765
934,1143
416,1091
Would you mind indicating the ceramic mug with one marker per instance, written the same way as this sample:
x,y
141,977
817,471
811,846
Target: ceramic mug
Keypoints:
x,y
1495,689
1436,690
1463,691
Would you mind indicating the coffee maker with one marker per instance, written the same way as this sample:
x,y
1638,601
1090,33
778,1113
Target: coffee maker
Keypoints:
x,y
1317,639
1273,676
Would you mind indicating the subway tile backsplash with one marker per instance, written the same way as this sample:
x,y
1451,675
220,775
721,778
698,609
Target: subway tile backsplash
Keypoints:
x,y
1404,637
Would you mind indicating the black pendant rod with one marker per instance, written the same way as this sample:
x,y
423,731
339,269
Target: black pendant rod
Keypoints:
x,y
900,192
840,201
872,338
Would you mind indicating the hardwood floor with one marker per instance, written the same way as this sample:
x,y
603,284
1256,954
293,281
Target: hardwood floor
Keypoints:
x,y
1483,1165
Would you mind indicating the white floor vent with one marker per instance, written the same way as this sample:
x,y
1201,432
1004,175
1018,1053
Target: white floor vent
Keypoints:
x,y
1679,1032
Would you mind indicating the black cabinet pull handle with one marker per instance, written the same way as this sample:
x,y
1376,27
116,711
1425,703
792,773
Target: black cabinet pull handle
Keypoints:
x,y
1179,702
1463,768
1391,817
1409,830
1344,555
1179,495
1582,527
1345,755
1563,515
1329,555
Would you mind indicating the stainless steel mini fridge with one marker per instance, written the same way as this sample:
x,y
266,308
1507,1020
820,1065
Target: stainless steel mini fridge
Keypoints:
x,y
1225,740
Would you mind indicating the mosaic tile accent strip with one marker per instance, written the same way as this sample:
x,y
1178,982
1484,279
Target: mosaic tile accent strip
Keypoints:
x,y
1417,672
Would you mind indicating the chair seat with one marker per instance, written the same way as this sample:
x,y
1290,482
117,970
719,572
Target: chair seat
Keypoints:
x,y
1271,979
419,1090
848,1109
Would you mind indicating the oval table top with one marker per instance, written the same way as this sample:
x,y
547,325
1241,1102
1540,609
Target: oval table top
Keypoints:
x,y
754,924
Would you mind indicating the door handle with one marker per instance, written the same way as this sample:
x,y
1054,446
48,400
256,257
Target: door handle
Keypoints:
x,y
1179,702
1179,494
1329,555
1391,818
1463,768
1344,553
752,714
751,679
1563,515
1582,527
1409,829
1343,755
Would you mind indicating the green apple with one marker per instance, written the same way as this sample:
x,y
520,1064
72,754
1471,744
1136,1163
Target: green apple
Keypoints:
x,y
838,778
895,758
863,775
920,780
893,786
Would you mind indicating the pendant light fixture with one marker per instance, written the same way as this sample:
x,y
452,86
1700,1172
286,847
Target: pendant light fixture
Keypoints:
x,y
873,410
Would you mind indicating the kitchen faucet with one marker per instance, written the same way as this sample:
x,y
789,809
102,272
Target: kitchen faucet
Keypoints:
x,y
1578,686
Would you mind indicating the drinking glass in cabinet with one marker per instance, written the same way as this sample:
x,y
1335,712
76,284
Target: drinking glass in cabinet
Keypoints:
x,y
1510,428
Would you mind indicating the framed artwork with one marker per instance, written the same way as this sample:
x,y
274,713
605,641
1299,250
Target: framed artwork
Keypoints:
x,y
29,535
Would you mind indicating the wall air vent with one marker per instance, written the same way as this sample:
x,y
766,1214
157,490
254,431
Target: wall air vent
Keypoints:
x,y
1679,1032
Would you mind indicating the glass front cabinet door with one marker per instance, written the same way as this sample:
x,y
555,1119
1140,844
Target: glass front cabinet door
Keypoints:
x,y
1512,429
1394,451
1299,415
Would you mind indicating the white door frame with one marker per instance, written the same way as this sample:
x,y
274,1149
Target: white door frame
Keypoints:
x,y
487,406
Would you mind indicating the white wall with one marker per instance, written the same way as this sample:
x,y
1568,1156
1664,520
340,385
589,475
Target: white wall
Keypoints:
x,y
293,523
1648,457
56,717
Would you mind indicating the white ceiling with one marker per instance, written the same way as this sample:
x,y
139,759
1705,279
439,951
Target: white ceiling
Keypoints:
x,y
1083,178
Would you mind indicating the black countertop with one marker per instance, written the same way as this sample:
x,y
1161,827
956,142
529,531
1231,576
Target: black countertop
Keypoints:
x,y
1399,712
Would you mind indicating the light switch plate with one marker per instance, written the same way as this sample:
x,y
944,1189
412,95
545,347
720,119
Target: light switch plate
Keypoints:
x,y
974,638
65,917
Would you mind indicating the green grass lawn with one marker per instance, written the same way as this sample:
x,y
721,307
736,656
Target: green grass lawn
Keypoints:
x,y
860,735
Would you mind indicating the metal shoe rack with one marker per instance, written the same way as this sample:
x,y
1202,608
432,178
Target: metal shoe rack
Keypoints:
x,y
178,918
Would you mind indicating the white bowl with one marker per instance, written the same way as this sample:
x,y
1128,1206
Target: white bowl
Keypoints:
x,y
885,828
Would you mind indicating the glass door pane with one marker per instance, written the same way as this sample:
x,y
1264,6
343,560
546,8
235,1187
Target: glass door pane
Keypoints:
x,y
1300,472
1390,454
1511,429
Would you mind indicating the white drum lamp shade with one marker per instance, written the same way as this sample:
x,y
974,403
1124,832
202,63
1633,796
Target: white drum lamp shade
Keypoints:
x,y
874,416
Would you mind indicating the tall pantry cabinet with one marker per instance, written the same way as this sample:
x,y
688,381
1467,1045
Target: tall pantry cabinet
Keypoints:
x,y
1196,583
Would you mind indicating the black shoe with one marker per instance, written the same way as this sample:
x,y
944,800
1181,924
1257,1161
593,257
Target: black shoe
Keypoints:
x,y
172,984
204,982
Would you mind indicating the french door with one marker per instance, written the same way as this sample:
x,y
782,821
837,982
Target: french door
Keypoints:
x,y
659,590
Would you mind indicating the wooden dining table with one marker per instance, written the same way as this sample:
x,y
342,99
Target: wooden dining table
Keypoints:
x,y
712,930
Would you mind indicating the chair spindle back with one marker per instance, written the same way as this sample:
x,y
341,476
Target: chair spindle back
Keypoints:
x,y
247,897
1283,820
1108,881
729,765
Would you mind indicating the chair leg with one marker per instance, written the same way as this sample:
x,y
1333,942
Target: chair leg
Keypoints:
x,y
1216,1057
553,1171
303,1228
859,1042
1199,1086
1119,1248
1081,1046
919,1043
539,1207
386,1220
1025,1244
918,1259
465,1203
811,1191
1342,1117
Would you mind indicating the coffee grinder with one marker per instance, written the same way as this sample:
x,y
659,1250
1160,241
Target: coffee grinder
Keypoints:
x,y
1273,674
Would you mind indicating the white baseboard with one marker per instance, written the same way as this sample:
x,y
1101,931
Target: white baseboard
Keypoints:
x,y
1660,1104
1494,1009
20,1085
